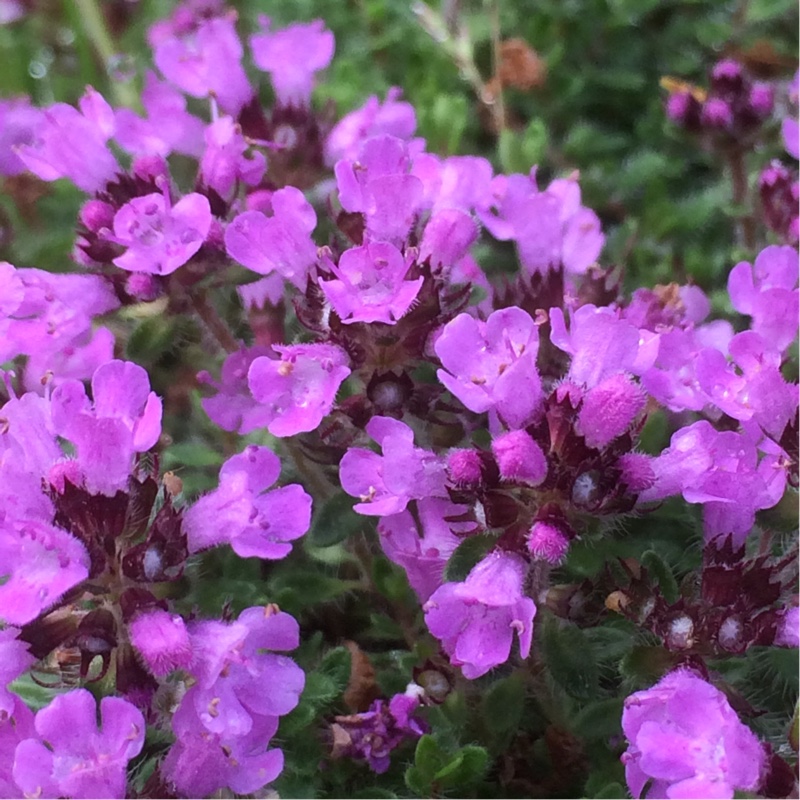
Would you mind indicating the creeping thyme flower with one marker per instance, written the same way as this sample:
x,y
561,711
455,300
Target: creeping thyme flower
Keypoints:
x,y
239,512
371,285
684,736
226,720
72,143
71,756
476,620
299,388
292,55
385,483
492,365
280,242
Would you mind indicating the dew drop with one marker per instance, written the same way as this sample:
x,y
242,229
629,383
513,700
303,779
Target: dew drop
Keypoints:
x,y
121,67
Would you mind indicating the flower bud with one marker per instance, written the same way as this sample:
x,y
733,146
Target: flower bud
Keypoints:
x,y
519,458
546,542
716,114
162,641
465,468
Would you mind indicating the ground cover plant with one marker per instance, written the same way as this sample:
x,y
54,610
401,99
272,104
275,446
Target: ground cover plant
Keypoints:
x,y
398,400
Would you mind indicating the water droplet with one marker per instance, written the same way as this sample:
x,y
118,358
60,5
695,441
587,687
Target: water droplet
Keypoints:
x,y
121,67
65,36
37,70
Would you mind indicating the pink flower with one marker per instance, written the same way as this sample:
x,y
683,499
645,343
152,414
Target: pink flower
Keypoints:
x,y
291,56
684,736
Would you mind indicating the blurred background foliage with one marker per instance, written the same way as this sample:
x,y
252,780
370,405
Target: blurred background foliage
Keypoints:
x,y
591,102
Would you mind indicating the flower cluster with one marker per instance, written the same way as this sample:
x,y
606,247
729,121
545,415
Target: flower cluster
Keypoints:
x,y
491,429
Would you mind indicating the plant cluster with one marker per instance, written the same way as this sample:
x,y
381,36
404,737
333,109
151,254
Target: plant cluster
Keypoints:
x,y
471,532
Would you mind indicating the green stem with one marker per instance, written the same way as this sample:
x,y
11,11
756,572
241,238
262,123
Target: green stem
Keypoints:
x,y
94,25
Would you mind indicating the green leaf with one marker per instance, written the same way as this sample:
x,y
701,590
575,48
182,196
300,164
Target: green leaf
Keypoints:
x,y
416,783
467,555
335,665
465,770
503,705
611,791
599,720
334,522
569,656
660,570
428,757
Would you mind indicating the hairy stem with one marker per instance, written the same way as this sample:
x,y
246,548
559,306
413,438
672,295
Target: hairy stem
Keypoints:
x,y
215,324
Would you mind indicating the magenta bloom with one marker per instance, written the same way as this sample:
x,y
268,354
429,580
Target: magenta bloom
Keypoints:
x,y
125,418
291,56
519,458
201,763
384,484
71,756
766,291
16,725
492,365
224,161
550,227
207,60
240,513
49,318
160,237
18,121
38,564
684,735
226,720
609,409
370,284
601,344
168,126
394,117
476,620
299,388
68,143
379,184
233,407
423,554
14,660
281,242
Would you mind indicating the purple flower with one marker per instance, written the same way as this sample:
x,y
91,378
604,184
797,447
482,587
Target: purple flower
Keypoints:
x,y
385,483
766,291
423,554
291,56
373,735
299,388
18,121
547,542
239,512
124,419
14,660
168,126
492,365
68,143
722,471
207,61
550,227
281,242
71,756
201,763
16,724
49,318
476,620
788,634
161,237
684,736
224,161
370,284
601,344
393,117
379,184
226,720
38,564
233,407
447,237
